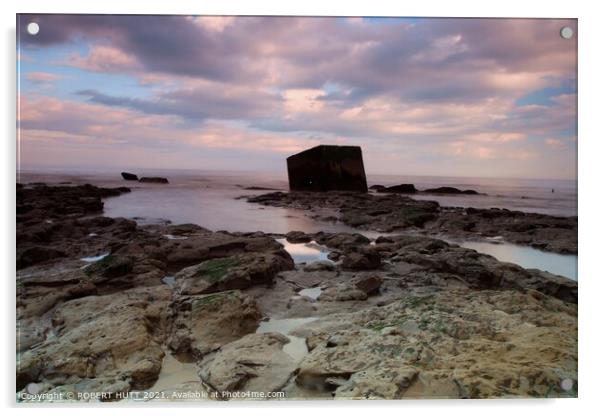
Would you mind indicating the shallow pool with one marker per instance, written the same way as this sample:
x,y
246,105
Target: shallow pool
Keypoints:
x,y
297,347
528,257
305,252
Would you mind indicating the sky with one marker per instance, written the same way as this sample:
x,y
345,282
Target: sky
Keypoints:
x,y
421,96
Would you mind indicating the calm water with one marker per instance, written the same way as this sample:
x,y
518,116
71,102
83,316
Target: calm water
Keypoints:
x,y
528,257
305,252
297,347
209,199
527,195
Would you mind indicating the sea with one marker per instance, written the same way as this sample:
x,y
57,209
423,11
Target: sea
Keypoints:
x,y
215,200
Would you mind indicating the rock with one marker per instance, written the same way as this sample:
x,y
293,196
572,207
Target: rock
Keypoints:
x,y
369,284
38,254
406,188
455,343
387,381
358,288
298,237
393,212
327,168
344,241
154,179
129,176
97,337
110,266
233,272
450,190
320,266
342,293
255,362
205,323
378,188
259,188
365,259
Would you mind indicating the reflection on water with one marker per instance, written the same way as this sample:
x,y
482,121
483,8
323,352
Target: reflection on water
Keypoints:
x,y
93,259
313,293
169,281
305,252
528,257
297,347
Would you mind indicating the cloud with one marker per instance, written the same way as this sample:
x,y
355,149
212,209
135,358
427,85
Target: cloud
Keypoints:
x,y
41,77
445,87
104,59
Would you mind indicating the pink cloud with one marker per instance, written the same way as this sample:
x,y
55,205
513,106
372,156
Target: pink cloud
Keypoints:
x,y
102,58
41,77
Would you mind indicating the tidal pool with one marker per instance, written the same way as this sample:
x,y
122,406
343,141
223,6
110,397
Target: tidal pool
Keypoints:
x,y
528,257
296,348
93,259
313,292
305,252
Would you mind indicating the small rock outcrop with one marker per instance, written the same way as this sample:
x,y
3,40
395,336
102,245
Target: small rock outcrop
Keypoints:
x,y
154,179
129,176
404,188
450,190
327,168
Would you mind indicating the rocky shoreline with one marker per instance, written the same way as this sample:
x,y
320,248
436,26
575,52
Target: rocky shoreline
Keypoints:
x,y
103,302
393,213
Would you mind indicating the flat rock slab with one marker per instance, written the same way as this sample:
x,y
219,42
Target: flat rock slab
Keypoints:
x,y
254,363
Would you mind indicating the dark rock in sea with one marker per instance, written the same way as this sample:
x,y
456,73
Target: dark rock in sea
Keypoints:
x,y
327,168
129,176
405,188
154,179
259,188
450,190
